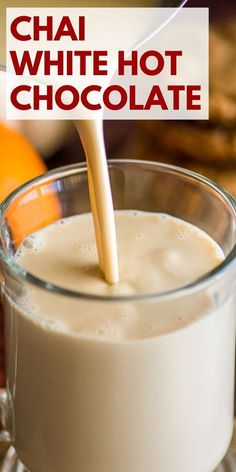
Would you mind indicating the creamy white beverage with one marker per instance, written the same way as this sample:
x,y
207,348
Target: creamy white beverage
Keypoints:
x,y
120,386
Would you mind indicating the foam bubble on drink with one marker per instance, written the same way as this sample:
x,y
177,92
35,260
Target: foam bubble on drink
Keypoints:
x,y
180,234
31,244
139,235
86,247
107,330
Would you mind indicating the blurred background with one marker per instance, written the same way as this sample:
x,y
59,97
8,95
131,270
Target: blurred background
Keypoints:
x,y
208,147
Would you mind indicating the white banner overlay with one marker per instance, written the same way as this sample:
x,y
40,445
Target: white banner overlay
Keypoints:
x,y
116,63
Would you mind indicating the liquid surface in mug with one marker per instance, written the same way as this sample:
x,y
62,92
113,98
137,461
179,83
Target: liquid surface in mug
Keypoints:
x,y
157,252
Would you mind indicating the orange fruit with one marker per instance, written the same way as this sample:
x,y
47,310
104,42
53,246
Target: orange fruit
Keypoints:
x,y
19,162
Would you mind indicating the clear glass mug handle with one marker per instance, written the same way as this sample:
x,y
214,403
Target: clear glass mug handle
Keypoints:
x,y
5,409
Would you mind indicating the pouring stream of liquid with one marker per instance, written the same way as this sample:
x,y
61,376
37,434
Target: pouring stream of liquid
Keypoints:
x,y
91,134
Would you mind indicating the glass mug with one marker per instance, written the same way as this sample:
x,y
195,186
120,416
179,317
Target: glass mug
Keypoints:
x,y
136,405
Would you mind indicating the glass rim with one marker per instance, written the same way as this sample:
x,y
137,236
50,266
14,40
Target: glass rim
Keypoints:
x,y
79,168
